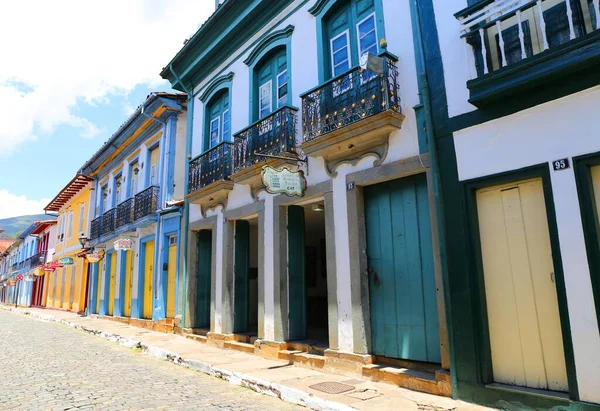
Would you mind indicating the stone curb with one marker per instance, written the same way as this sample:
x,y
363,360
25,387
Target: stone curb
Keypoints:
x,y
284,393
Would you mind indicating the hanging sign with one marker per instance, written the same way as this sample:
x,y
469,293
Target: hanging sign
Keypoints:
x,y
124,244
19,277
94,257
39,272
283,180
66,261
11,282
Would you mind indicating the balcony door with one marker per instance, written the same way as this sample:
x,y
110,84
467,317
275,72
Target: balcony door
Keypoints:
x,y
272,84
218,127
153,177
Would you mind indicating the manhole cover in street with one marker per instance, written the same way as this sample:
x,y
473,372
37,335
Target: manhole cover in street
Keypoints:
x,y
331,387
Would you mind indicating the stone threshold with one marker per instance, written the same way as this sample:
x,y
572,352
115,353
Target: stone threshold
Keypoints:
x,y
275,378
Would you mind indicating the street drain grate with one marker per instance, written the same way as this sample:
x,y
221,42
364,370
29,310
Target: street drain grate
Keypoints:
x,y
331,387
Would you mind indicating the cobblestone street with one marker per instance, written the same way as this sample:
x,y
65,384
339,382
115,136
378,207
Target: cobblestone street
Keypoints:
x,y
48,366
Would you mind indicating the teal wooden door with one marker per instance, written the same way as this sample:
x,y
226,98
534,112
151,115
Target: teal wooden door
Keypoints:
x,y
402,290
241,289
202,319
297,273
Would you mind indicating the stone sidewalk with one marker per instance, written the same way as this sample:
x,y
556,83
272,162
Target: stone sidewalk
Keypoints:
x,y
275,378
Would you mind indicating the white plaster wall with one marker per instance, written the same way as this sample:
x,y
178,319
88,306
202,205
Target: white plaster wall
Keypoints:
x,y
457,56
304,72
180,156
562,128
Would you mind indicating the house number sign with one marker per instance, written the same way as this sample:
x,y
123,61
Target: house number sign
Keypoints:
x,y
561,164
283,180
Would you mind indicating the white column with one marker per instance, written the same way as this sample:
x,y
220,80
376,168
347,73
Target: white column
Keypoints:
x,y
269,270
580,300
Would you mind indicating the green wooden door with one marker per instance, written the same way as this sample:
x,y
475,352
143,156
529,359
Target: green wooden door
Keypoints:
x,y
204,278
297,273
404,322
241,288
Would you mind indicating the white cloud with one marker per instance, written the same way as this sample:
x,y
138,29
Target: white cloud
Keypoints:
x,y
12,205
61,53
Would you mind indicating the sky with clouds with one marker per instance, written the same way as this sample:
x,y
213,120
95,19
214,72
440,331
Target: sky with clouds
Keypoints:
x,y
72,71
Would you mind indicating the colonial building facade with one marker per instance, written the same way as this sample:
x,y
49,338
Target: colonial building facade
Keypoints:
x,y
348,275
514,90
138,188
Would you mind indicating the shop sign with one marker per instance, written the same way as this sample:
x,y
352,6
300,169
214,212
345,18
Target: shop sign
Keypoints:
x,y
39,272
66,261
19,277
283,180
124,244
11,282
94,257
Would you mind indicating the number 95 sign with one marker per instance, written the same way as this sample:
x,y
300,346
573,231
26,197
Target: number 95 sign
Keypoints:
x,y
561,164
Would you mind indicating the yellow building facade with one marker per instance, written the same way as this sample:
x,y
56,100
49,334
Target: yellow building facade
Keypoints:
x,y
67,284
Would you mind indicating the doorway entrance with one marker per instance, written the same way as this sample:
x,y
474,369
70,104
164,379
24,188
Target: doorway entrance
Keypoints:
x,y
245,279
307,271
518,271
402,290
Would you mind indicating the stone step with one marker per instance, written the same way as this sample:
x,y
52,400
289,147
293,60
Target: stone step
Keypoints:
x,y
315,362
240,346
287,355
199,338
403,377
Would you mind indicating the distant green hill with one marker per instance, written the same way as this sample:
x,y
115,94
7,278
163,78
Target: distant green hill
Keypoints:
x,y
16,225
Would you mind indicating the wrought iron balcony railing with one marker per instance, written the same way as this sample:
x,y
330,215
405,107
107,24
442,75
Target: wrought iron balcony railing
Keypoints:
x,y
39,259
505,32
214,165
108,221
146,202
96,228
349,98
125,213
273,135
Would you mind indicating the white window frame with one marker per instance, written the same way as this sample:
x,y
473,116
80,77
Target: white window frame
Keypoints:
x,y
279,85
365,77
223,136
81,218
210,130
270,99
345,33
341,89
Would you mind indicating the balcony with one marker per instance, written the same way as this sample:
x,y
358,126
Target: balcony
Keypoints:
x,y
39,259
146,202
125,213
520,45
275,135
96,228
352,115
208,180
108,221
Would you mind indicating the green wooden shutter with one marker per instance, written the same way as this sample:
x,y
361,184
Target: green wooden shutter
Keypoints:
x,y
204,279
241,276
297,273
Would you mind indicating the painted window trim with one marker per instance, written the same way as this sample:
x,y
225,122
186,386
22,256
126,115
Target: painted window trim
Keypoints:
x,y
269,100
82,218
223,134
360,52
345,33
320,11
276,39
219,132
215,86
279,85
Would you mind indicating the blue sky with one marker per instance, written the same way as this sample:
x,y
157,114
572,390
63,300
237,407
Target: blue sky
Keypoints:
x,y
71,77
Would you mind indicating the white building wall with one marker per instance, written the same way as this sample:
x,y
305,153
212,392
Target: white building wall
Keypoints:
x,y
562,128
304,73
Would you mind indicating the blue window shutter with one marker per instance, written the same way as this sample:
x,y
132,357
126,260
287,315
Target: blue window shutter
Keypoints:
x,y
512,43
557,23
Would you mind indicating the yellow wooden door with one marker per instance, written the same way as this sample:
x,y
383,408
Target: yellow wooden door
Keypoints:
x,y
99,288
112,283
154,167
128,282
596,184
171,274
148,278
522,306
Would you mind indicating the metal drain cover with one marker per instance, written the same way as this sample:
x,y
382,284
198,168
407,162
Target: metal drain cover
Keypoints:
x,y
331,387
